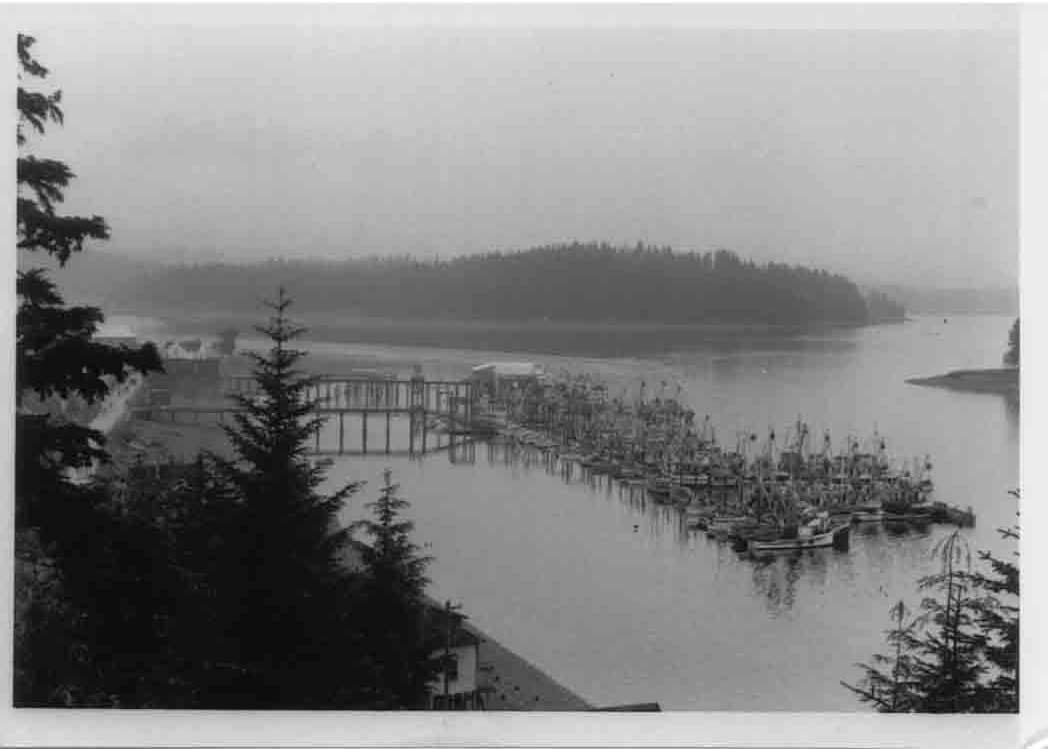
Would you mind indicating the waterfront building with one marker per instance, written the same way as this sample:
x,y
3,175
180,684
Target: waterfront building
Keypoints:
x,y
456,686
496,379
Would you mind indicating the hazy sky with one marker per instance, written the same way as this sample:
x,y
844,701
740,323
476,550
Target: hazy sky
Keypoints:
x,y
246,133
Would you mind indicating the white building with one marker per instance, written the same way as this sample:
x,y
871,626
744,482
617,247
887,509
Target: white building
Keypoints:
x,y
456,686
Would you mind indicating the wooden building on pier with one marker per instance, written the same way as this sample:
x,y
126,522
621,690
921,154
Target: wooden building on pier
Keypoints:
x,y
497,379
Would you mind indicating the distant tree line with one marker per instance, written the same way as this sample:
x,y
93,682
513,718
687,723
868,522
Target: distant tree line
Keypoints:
x,y
577,282
883,308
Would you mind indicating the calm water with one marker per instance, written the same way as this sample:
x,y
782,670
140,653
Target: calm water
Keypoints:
x,y
608,592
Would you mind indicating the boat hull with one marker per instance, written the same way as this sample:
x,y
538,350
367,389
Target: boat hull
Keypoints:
x,y
837,537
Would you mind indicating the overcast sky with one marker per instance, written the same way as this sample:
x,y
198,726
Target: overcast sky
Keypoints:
x,y
246,133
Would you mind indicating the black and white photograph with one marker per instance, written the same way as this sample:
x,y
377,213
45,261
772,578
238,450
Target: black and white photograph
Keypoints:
x,y
568,360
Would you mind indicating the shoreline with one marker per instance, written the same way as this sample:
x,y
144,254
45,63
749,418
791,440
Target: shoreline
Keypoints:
x,y
333,324
999,381
598,338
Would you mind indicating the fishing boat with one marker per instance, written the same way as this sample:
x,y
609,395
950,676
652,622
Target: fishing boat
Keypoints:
x,y
741,535
596,464
681,496
817,533
698,517
659,488
722,525
868,515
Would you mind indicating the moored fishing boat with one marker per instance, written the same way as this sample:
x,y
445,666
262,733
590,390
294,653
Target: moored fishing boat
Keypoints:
x,y
698,517
868,515
722,525
681,496
659,488
817,533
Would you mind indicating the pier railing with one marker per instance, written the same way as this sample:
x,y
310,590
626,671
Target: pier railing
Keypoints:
x,y
432,409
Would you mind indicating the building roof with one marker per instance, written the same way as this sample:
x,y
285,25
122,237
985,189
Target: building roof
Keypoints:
x,y
114,330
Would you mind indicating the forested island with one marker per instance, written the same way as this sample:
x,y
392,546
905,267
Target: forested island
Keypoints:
x,y
563,283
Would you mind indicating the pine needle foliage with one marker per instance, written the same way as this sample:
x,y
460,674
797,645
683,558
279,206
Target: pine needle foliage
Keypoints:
x,y
1011,357
960,654
400,660
888,684
78,579
293,595
55,351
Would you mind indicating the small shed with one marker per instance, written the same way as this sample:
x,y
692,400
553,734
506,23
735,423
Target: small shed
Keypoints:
x,y
456,686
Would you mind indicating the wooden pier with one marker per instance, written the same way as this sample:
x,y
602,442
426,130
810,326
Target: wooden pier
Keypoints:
x,y
433,408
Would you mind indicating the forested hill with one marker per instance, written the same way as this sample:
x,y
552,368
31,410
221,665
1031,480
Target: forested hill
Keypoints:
x,y
571,283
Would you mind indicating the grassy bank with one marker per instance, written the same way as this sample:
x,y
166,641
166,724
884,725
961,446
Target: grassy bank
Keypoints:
x,y
1004,381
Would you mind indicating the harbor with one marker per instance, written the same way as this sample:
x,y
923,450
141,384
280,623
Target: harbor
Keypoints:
x,y
763,495
560,364
675,505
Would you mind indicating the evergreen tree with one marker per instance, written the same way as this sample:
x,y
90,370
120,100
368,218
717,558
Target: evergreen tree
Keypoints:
x,y
55,353
65,540
400,662
949,664
961,654
999,617
889,685
286,595
1011,358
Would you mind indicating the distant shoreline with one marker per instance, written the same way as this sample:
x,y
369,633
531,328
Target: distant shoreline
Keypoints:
x,y
1001,381
208,323
547,337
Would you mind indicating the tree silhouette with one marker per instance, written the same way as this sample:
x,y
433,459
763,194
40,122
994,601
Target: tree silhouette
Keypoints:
x,y
1011,358
401,663
291,614
892,690
961,653
63,536
55,353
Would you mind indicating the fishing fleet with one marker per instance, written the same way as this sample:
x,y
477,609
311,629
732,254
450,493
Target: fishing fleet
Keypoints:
x,y
762,495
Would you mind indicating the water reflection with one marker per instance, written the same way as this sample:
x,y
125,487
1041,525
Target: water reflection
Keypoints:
x,y
659,520
1012,412
776,578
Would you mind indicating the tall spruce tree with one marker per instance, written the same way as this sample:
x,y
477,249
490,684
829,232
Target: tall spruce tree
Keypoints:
x,y
71,610
888,684
400,662
949,664
287,597
998,615
55,352
961,653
